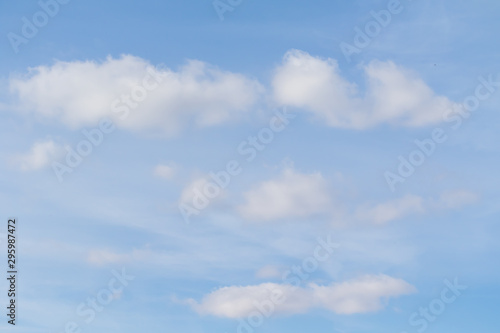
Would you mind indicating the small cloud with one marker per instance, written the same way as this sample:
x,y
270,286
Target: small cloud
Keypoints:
x,y
165,171
39,156
291,195
411,204
202,192
391,210
193,191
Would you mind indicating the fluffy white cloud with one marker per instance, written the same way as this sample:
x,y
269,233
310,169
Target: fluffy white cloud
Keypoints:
x,y
292,195
393,94
361,295
39,156
140,96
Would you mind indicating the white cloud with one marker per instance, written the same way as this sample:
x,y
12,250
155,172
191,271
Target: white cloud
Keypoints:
x,y
393,94
391,210
189,192
292,195
359,295
238,302
80,93
165,171
196,192
39,156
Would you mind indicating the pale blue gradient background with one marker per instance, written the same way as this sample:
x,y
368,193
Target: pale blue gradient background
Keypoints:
x,y
113,202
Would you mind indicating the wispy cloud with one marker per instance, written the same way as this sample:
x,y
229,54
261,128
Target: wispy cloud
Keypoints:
x,y
165,171
41,154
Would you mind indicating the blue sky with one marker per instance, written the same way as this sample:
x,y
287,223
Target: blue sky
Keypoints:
x,y
317,148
